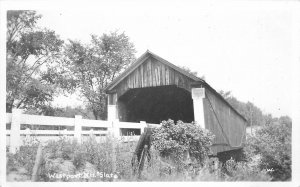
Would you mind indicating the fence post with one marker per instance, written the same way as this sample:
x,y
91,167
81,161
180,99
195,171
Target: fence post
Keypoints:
x,y
92,135
65,133
27,135
37,164
115,129
143,126
115,136
77,128
15,130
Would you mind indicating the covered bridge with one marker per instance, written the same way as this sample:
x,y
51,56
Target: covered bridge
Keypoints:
x,y
153,89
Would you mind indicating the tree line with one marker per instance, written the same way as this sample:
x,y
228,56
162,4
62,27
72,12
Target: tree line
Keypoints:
x,y
40,66
252,113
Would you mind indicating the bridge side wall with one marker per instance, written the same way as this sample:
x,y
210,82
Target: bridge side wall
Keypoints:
x,y
229,127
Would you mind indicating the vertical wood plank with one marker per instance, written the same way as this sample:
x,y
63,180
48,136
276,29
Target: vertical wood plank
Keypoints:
x,y
145,75
176,79
153,74
150,73
129,83
163,74
171,72
132,78
132,81
157,76
159,73
135,80
142,75
167,76
180,80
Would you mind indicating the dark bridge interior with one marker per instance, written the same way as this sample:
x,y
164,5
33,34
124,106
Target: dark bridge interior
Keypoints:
x,y
156,104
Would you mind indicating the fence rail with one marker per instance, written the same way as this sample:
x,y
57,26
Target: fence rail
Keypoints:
x,y
15,135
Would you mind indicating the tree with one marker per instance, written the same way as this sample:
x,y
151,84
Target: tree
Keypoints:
x,y
68,112
251,112
31,62
268,119
285,120
93,66
273,143
195,73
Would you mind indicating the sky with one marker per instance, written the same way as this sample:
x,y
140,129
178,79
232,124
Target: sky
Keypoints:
x,y
245,48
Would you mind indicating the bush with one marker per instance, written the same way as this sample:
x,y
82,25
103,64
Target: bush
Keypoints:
x,y
23,158
70,157
159,169
180,140
124,154
243,171
273,145
99,154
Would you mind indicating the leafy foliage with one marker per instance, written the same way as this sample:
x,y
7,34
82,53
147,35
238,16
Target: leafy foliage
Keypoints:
x,y
191,72
70,157
24,157
175,140
95,65
33,76
273,144
211,170
68,112
243,171
251,112
19,22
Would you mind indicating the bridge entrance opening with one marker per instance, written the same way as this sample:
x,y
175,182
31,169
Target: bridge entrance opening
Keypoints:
x,y
155,104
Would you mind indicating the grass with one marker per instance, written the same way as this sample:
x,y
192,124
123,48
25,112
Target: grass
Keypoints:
x,y
71,158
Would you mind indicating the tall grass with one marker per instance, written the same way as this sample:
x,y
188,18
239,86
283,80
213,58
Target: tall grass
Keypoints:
x,y
68,156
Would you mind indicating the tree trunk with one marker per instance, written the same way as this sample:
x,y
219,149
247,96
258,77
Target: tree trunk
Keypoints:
x,y
95,114
9,107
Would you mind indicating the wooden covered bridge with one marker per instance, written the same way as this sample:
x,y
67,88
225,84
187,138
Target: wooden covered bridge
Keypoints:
x,y
153,89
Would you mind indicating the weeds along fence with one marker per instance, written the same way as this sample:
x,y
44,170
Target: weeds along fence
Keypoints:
x,y
23,127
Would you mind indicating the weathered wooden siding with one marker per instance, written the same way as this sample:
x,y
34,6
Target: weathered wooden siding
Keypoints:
x,y
153,73
151,70
233,125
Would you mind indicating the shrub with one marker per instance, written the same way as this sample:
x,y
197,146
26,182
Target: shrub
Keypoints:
x,y
66,156
79,158
99,154
211,170
23,158
124,154
243,171
273,144
179,140
160,169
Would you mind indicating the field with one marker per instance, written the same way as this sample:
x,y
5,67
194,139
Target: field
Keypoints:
x,y
66,160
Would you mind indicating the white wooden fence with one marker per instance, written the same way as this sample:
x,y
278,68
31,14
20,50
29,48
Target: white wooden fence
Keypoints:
x,y
15,135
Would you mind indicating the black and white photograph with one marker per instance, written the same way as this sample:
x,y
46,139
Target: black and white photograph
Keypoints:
x,y
204,92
